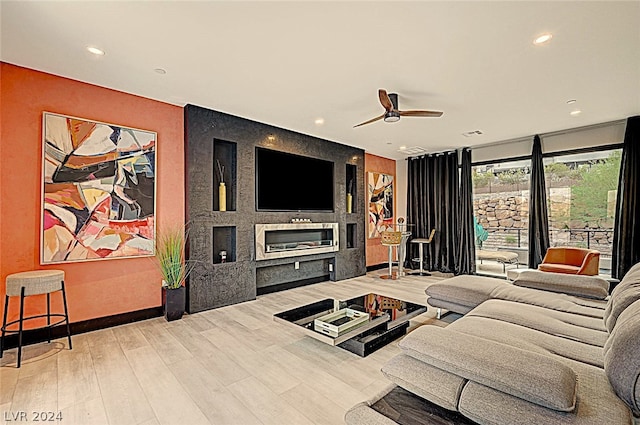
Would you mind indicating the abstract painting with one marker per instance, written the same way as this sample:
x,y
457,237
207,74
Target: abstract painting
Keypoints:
x,y
380,203
98,196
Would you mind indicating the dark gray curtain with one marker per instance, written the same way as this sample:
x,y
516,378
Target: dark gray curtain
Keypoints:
x,y
538,216
432,203
466,263
626,234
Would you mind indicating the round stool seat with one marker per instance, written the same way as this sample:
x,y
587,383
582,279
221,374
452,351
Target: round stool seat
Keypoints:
x,y
420,240
35,282
389,238
24,284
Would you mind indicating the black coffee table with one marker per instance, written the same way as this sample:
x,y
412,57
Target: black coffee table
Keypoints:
x,y
343,324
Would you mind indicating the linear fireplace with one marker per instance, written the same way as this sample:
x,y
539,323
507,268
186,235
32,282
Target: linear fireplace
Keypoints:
x,y
293,239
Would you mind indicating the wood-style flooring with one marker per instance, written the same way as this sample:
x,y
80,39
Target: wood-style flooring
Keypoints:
x,y
232,365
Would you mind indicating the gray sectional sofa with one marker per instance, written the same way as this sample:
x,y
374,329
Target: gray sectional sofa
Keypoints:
x,y
522,355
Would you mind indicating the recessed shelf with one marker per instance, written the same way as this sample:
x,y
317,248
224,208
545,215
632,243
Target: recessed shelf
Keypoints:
x,y
225,154
224,244
351,182
352,235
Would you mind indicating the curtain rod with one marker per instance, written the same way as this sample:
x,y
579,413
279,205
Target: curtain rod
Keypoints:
x,y
552,133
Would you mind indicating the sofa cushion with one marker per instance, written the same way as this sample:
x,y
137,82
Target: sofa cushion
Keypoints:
x,y
550,300
559,268
622,358
588,330
623,295
579,285
530,340
429,382
537,378
596,404
468,291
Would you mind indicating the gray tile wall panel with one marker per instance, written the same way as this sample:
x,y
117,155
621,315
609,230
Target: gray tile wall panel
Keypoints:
x,y
214,285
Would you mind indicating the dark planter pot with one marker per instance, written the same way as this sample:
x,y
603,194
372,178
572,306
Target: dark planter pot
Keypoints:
x,y
173,302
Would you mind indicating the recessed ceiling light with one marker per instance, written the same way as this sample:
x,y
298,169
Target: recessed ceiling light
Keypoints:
x,y
473,133
95,51
389,143
402,148
414,150
319,121
271,137
541,39
576,112
571,101
160,71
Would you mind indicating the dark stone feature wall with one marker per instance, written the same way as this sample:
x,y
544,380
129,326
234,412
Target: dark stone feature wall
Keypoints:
x,y
214,284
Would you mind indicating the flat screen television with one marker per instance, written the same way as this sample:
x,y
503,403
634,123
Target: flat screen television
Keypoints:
x,y
289,182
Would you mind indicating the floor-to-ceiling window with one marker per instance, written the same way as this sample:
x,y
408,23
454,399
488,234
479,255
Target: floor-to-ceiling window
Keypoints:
x,y
581,197
501,211
582,192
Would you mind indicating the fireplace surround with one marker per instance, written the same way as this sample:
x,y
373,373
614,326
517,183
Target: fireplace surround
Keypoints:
x,y
283,240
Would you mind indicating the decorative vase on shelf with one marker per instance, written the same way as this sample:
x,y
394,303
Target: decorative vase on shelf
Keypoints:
x,y
349,203
222,197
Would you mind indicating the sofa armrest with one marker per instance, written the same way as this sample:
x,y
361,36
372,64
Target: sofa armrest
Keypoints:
x,y
591,264
534,377
572,284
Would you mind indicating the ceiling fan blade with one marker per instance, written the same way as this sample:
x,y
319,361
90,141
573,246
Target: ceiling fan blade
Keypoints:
x,y
384,100
420,113
370,121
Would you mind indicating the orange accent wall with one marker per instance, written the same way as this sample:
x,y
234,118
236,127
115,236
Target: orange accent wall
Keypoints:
x,y
94,288
376,253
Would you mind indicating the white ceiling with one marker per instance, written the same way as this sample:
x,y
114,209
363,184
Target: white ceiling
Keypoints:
x,y
289,63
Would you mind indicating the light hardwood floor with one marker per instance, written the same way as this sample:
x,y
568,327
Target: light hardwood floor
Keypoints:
x,y
232,365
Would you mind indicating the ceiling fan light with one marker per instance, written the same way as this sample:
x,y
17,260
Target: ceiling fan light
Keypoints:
x,y
392,116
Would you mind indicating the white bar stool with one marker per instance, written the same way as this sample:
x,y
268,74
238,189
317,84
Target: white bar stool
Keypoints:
x,y
29,283
422,241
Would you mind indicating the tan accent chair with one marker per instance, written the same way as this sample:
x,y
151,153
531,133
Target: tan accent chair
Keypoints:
x,y
571,260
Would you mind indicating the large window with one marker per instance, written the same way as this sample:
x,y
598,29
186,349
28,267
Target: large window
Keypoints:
x,y
582,192
581,197
501,211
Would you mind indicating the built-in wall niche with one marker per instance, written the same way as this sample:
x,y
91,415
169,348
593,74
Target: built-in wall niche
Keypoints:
x,y
352,235
224,244
225,162
351,174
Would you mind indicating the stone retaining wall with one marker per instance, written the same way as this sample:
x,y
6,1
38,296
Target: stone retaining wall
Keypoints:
x,y
505,216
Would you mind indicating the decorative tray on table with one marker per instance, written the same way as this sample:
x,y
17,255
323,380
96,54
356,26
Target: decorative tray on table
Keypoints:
x,y
339,322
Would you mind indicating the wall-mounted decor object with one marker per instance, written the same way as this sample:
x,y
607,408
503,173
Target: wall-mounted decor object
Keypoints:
x,y
222,189
98,190
380,188
350,196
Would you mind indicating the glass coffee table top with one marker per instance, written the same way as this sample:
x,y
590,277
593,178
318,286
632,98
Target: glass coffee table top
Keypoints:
x,y
363,319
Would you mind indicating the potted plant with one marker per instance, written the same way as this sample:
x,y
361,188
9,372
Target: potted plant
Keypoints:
x,y
171,260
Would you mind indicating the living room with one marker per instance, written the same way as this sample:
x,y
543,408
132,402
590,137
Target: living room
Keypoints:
x,y
244,78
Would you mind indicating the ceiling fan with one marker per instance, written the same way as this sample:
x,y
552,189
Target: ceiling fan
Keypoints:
x,y
392,113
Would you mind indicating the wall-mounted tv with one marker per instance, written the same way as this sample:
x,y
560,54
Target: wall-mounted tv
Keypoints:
x,y
289,182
